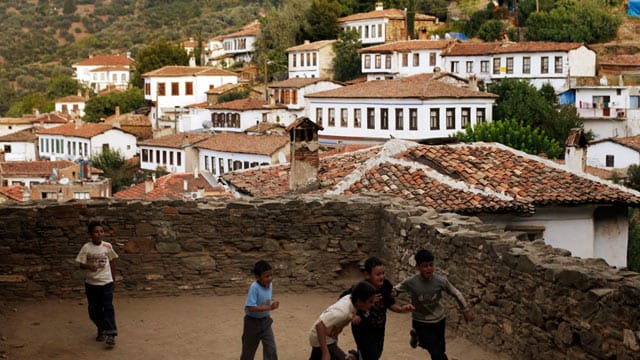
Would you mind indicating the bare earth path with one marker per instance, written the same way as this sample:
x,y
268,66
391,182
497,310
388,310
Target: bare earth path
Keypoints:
x,y
187,327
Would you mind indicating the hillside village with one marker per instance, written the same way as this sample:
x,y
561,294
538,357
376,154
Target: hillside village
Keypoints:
x,y
386,132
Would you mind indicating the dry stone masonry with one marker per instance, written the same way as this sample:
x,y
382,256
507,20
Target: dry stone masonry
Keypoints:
x,y
530,300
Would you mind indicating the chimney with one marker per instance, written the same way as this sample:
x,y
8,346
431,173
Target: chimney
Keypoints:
x,y
473,82
26,194
379,6
306,42
117,111
575,156
148,186
305,160
185,185
195,173
80,92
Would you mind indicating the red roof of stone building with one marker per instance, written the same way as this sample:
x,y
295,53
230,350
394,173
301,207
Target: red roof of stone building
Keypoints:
x,y
177,71
172,186
408,45
226,87
14,192
26,135
240,105
245,144
496,47
316,45
32,168
72,99
394,14
264,127
298,83
85,131
251,29
105,60
176,141
423,86
46,118
465,178
622,60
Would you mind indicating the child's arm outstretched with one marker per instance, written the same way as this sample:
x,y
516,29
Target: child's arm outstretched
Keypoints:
x,y
402,309
466,312
321,331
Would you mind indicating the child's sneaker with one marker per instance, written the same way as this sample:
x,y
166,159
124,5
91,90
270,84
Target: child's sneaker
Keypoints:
x,y
353,355
100,337
413,342
110,341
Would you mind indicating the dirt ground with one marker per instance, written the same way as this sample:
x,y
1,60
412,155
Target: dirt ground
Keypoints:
x,y
188,327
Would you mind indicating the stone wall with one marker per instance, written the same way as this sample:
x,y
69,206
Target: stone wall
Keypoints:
x,y
530,300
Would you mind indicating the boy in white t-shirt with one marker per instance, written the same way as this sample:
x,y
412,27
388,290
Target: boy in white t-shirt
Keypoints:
x,y
97,258
325,331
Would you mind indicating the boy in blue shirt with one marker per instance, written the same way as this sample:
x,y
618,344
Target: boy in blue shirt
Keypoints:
x,y
257,322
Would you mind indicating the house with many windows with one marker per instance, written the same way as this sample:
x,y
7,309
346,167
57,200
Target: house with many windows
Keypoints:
x,y
539,63
174,153
43,121
104,72
292,93
386,25
171,88
83,141
225,152
414,108
311,60
240,44
72,105
238,115
19,146
403,58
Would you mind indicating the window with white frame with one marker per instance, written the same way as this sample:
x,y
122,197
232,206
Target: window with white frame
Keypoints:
x,y
367,61
432,59
399,119
416,59
526,65
544,65
496,66
319,116
451,118
434,116
344,117
387,61
469,67
81,196
509,65
480,116
405,59
371,118
332,117
454,66
384,118
558,64
465,117
357,118
378,61
484,66
413,119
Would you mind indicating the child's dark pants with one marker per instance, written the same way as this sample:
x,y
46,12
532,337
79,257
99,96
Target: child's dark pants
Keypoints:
x,y
101,312
431,337
256,330
370,341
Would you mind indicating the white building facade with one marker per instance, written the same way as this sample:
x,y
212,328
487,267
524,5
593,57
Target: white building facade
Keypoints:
x,y
240,44
67,142
311,60
104,71
292,93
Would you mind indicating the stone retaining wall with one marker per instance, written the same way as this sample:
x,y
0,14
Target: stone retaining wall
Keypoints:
x,y
530,300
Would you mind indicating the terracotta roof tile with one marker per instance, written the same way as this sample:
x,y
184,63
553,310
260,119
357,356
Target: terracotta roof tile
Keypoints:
x,y
226,87
240,105
489,48
265,126
298,83
26,135
422,86
71,98
245,144
251,29
32,168
316,45
14,192
409,45
465,178
395,14
85,131
177,71
171,186
176,141
46,118
632,142
105,60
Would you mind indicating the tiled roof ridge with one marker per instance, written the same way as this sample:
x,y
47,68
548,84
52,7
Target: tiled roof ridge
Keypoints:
x,y
553,164
388,155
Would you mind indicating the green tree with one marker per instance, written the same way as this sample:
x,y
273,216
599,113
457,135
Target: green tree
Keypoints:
x,y
157,54
99,107
346,63
513,133
33,101
491,30
114,166
69,7
321,20
61,85
7,96
234,95
633,249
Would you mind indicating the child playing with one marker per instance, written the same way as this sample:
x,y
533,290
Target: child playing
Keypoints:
x,y
97,257
257,322
425,289
368,332
325,331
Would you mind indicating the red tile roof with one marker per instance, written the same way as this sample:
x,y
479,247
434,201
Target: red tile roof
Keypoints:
x,y
85,131
14,192
409,45
240,105
251,29
298,83
177,71
489,48
421,86
171,186
265,126
46,118
32,168
26,135
395,14
465,178
245,144
632,142
176,141
72,99
105,60
226,87
316,45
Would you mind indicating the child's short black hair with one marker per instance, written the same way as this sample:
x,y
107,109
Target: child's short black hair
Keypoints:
x,y
93,224
362,291
260,267
371,263
424,256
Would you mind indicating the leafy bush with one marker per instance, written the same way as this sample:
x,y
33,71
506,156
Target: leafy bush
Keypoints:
x,y
491,30
114,167
102,106
234,95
